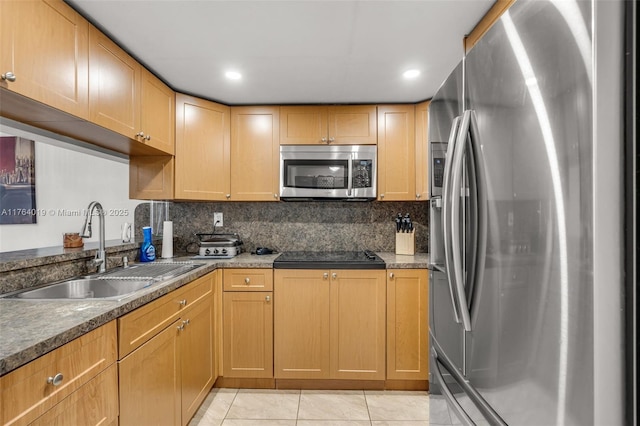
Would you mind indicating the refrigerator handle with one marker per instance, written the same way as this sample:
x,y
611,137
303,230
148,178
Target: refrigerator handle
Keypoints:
x,y
350,179
453,402
446,208
480,178
454,218
483,406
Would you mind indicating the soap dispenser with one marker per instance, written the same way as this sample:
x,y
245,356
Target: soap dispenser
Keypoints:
x,y
147,250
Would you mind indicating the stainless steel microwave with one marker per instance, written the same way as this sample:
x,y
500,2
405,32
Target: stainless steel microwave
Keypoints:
x,y
346,172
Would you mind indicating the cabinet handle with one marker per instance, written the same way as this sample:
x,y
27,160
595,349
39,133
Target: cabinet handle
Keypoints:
x,y
324,140
183,302
275,196
418,196
325,275
268,298
332,140
381,196
247,281
148,137
228,196
186,322
55,380
392,275
140,135
9,76
334,275
180,327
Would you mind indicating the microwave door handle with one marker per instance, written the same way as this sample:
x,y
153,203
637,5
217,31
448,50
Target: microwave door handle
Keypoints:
x,y
446,208
350,179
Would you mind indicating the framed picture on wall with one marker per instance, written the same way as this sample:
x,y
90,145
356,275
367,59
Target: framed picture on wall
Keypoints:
x,y
17,181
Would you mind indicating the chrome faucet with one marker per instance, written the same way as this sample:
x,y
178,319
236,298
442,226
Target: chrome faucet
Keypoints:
x,y
101,258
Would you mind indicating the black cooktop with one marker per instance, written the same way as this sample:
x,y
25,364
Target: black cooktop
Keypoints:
x,y
329,260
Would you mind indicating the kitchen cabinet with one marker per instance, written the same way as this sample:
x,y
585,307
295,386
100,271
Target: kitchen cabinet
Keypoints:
x,y
151,177
422,151
255,154
202,154
73,382
396,153
407,324
338,125
44,54
330,324
127,98
248,324
167,357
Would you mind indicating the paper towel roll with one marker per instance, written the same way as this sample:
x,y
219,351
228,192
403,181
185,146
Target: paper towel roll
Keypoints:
x,y
167,239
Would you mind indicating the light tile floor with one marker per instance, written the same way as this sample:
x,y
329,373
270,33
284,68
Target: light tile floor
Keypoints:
x,y
312,408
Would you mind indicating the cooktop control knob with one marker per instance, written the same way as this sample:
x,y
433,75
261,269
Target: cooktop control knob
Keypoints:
x,y
207,252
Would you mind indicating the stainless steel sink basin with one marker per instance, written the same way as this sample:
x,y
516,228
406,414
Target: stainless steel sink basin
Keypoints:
x,y
87,288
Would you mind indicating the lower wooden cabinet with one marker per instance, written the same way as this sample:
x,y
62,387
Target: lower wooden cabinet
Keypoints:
x,y
334,321
166,378
407,326
248,334
61,385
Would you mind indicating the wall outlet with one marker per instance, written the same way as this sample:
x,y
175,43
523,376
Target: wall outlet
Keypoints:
x,y
218,220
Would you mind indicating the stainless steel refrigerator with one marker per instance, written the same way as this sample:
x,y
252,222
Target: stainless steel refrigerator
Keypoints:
x,y
526,234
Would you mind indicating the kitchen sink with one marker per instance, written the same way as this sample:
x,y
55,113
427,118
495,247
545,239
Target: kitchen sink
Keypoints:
x,y
86,288
115,284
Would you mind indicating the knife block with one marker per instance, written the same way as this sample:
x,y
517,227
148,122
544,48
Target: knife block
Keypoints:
x,y
406,242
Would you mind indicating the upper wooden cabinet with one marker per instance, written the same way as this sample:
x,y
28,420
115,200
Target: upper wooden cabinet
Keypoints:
x,y
317,125
157,113
127,98
422,151
202,156
44,46
396,153
255,154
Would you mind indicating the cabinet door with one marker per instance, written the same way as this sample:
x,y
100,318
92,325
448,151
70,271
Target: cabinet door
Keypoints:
x,y
422,151
407,326
303,125
353,125
157,114
150,382
197,355
45,44
301,324
114,86
202,160
358,306
396,153
248,334
255,153
95,403
151,177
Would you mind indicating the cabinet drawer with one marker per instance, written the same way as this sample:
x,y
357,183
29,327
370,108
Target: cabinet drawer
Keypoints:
x,y
142,324
248,279
95,403
26,393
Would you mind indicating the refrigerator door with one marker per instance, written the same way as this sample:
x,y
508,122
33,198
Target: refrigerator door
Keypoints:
x,y
529,353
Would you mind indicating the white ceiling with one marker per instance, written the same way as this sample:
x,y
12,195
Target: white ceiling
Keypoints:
x,y
302,51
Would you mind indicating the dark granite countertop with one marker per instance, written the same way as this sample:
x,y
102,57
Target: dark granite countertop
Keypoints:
x,y
31,328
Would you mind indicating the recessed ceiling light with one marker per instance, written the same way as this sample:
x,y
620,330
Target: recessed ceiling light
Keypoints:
x,y
233,75
411,73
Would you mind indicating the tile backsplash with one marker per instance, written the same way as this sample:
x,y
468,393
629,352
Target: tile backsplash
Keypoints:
x,y
288,226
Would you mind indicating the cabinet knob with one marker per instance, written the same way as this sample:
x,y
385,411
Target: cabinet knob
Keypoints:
x,y
275,196
332,140
180,327
325,275
9,76
392,275
247,280
186,322
228,196
381,196
418,196
148,137
267,298
324,140
55,380
334,275
140,135
183,302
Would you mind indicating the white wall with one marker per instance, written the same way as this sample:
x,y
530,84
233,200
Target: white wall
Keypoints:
x,y
68,178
